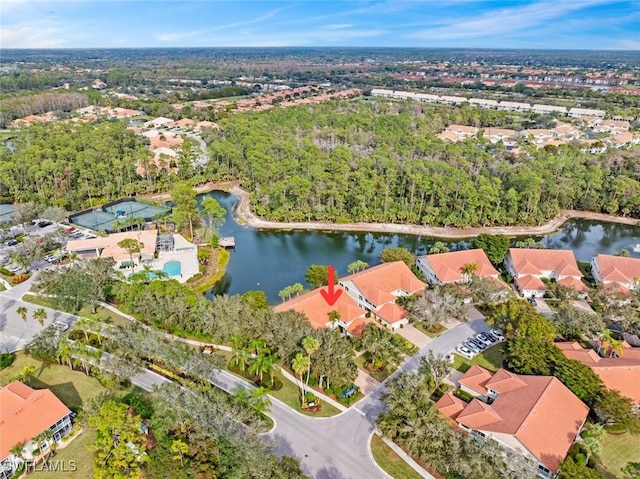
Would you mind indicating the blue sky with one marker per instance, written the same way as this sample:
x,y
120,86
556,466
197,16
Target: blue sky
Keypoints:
x,y
558,24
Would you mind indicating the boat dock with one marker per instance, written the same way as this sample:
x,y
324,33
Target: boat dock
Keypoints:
x,y
227,242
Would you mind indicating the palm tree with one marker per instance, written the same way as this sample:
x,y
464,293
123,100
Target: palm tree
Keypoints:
x,y
592,445
47,437
40,315
269,364
22,311
240,357
237,342
18,451
468,270
310,345
260,402
300,364
257,346
131,246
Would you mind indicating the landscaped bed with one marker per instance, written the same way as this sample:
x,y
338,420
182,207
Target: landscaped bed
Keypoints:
x,y
290,395
379,374
432,331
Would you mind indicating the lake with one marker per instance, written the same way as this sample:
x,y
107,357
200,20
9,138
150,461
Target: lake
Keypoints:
x,y
269,260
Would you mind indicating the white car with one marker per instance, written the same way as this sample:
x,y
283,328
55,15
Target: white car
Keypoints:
x,y
483,339
498,334
14,268
60,325
465,352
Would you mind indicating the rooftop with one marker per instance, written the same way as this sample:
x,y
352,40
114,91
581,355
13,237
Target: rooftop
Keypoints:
x,y
25,413
109,244
448,266
535,261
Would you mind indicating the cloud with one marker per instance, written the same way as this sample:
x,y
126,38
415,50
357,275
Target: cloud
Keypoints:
x,y
503,20
42,34
178,36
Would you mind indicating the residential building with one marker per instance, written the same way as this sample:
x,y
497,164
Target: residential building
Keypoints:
x,y
376,289
549,109
539,136
513,106
615,127
186,123
169,253
350,318
447,267
482,103
457,133
24,414
609,269
537,416
158,122
584,112
529,266
495,135
619,371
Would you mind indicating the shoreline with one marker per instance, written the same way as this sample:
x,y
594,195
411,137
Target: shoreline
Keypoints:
x,y
243,213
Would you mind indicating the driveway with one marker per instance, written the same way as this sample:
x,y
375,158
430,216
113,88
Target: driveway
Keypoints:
x,y
414,335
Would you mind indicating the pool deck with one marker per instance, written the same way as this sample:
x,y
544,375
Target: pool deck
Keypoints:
x,y
188,259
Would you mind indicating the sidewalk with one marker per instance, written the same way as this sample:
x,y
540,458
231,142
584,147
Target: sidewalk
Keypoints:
x,y
404,456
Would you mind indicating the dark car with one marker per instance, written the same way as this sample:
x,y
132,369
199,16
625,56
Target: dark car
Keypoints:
x,y
533,301
11,242
42,224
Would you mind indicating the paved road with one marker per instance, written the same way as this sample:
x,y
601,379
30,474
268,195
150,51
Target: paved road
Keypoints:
x,y
337,447
14,332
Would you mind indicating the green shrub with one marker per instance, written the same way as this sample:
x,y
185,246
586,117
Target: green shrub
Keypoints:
x,y
6,272
7,360
460,394
309,396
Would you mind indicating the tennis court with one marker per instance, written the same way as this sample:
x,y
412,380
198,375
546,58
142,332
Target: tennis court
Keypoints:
x,y
134,209
6,213
104,217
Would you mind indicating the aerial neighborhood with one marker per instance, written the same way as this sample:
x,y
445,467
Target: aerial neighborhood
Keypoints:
x,y
319,262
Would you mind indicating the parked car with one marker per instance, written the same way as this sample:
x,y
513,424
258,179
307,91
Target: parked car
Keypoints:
x,y
14,268
42,224
463,351
484,339
70,230
498,334
478,343
472,346
60,325
11,242
494,338
533,301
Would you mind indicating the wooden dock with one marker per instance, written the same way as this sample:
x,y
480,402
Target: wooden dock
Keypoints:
x,y
227,242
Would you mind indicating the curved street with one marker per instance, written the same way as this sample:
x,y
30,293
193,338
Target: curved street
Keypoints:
x,y
336,447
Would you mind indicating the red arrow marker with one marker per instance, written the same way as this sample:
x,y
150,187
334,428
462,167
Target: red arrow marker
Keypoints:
x,y
332,295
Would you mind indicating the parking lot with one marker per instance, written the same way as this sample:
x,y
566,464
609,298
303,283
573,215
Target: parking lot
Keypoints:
x,y
479,342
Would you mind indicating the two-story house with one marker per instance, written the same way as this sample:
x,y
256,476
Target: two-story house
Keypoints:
x,y
24,414
455,266
616,270
376,290
536,416
528,266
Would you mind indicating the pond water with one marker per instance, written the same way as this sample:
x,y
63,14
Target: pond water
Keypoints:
x,y
269,260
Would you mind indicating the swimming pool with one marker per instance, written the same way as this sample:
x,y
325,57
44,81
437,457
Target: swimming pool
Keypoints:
x,y
172,268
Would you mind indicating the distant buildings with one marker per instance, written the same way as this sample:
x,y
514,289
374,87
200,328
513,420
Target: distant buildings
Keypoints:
x,y
24,414
536,416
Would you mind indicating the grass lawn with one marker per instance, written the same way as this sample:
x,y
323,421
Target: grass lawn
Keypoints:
x,y
2,288
390,462
490,359
431,332
102,314
618,450
76,451
72,387
378,376
290,395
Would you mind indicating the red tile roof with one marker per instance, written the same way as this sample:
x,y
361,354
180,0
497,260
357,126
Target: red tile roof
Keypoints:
x,y
25,413
621,374
450,406
448,266
392,313
357,325
534,261
618,268
530,283
542,413
317,310
377,283
476,378
573,283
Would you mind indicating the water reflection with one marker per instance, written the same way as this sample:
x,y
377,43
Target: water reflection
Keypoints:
x,y
270,260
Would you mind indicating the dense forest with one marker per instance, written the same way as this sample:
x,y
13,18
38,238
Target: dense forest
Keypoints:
x,y
382,162
66,164
369,161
